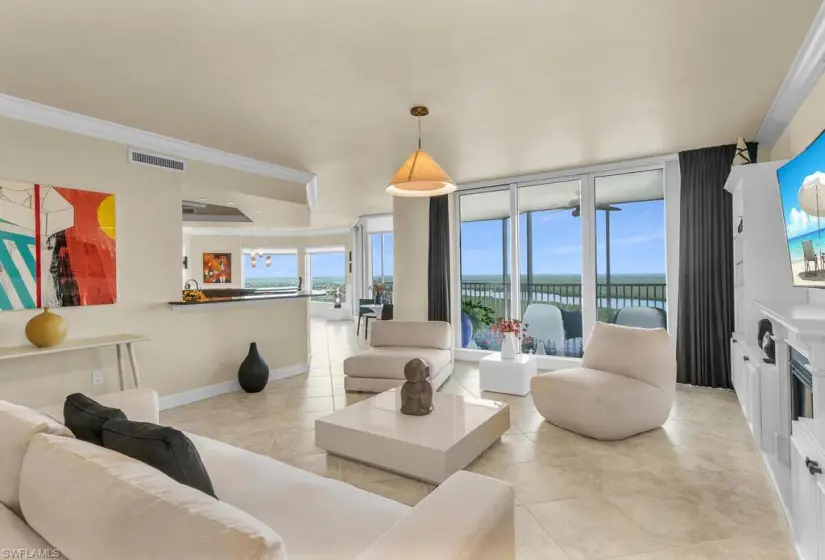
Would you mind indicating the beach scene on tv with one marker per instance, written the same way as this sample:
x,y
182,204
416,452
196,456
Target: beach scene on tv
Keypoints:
x,y
802,190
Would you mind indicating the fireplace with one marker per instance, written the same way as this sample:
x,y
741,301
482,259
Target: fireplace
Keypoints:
x,y
802,392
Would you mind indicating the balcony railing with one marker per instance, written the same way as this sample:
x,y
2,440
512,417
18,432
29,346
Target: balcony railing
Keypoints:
x,y
496,295
610,298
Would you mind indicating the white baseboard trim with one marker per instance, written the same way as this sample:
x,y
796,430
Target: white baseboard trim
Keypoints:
x,y
202,393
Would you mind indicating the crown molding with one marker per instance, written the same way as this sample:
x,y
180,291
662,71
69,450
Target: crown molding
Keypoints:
x,y
262,232
801,78
52,117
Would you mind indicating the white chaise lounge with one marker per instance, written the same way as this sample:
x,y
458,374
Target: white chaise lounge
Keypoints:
x,y
392,345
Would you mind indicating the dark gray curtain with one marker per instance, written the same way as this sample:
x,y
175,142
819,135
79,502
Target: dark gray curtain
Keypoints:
x,y
705,268
438,279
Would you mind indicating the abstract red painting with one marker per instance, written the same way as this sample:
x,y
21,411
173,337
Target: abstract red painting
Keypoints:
x,y
57,246
217,268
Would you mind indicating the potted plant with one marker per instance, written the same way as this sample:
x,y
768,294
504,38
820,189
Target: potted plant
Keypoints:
x,y
474,316
509,329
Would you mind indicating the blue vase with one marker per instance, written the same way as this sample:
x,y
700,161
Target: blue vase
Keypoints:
x,y
466,330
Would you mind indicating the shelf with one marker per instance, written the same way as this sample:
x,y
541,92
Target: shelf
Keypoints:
x,y
13,352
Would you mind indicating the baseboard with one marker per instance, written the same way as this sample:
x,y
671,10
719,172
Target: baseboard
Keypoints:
x,y
202,393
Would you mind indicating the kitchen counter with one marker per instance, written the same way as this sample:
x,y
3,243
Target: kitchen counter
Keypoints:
x,y
245,299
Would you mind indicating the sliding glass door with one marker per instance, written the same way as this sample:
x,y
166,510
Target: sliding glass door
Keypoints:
x,y
485,266
630,248
550,234
589,247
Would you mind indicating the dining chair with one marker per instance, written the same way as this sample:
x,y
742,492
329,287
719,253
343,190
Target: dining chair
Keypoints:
x,y
366,313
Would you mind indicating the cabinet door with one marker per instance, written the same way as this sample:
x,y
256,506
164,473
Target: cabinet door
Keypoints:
x,y
735,365
820,496
746,376
756,402
805,507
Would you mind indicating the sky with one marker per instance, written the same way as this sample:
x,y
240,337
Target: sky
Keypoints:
x,y
637,242
324,265
791,176
377,260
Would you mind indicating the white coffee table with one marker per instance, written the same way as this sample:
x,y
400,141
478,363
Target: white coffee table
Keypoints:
x,y
506,376
429,448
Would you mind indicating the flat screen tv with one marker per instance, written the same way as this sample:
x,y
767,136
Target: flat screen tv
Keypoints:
x,y
802,191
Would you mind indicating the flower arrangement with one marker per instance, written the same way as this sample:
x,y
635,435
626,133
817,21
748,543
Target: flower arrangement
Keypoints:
x,y
378,289
506,326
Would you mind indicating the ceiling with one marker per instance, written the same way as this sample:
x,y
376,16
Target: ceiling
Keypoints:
x,y
325,86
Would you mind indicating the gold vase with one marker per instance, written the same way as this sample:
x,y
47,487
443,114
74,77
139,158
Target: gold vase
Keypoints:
x,y
47,329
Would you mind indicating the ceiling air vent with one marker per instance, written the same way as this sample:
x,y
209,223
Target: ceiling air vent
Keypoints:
x,y
154,160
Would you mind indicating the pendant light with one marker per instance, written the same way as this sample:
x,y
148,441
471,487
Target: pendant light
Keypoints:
x,y
268,261
420,175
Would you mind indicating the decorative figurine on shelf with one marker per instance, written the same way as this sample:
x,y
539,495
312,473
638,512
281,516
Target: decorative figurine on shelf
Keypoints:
x,y
769,348
300,282
417,392
337,293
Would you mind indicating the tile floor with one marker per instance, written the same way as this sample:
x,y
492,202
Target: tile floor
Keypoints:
x,y
692,490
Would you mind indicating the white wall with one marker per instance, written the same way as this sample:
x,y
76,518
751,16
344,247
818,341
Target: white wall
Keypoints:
x,y
187,349
411,219
373,224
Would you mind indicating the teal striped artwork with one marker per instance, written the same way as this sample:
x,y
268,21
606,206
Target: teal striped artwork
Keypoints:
x,y
18,270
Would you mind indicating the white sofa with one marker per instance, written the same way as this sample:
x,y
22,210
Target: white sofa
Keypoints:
x,y
392,345
626,384
92,504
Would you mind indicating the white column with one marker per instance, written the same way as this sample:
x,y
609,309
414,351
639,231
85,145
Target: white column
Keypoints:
x,y
411,219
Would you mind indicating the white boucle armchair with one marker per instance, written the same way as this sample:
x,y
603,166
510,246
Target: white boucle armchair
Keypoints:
x,y
625,385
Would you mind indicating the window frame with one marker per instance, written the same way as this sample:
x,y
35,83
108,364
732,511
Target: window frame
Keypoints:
x,y
587,177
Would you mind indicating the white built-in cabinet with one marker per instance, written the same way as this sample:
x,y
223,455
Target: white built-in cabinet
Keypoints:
x,y
791,450
807,463
821,499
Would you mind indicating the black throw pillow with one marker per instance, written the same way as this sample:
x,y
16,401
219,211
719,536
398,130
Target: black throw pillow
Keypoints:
x,y
166,449
85,417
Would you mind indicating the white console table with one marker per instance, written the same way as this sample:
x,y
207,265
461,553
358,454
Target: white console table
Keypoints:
x,y
121,342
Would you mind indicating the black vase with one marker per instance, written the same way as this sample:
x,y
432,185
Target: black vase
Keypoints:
x,y
253,374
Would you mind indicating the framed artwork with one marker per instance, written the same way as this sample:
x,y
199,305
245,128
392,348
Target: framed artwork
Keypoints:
x,y
217,268
58,247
